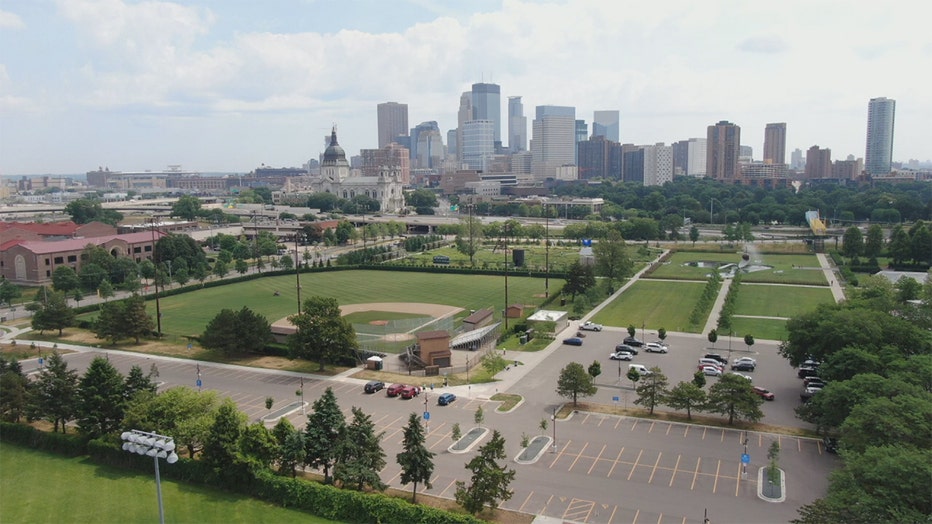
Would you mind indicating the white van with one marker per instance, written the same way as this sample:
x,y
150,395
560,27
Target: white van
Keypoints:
x,y
642,369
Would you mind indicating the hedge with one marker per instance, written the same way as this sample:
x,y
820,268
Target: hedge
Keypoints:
x,y
71,445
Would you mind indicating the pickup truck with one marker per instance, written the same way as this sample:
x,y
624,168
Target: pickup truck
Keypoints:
x,y
590,326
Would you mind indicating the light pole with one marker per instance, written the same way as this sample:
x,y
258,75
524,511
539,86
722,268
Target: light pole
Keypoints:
x,y
505,315
546,252
297,269
158,310
712,200
554,420
155,446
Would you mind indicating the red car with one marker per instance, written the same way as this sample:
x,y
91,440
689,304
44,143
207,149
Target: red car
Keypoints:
x,y
766,394
394,390
409,392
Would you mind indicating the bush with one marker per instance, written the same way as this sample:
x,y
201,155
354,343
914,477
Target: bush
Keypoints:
x,y
71,445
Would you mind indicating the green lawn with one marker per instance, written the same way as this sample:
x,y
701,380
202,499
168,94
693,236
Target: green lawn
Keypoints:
x,y
364,317
649,303
560,256
780,301
40,487
759,328
787,269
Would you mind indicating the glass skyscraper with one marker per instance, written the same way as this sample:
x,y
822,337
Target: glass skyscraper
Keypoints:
x,y
879,155
487,105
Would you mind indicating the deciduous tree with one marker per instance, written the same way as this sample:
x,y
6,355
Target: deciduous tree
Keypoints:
x,y
237,332
575,382
652,390
322,333
611,259
53,313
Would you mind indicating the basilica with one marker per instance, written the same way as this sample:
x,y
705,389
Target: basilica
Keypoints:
x,y
336,177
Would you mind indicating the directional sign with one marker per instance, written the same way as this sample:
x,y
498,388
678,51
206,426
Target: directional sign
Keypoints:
x,y
745,458
427,415
41,361
198,382
615,399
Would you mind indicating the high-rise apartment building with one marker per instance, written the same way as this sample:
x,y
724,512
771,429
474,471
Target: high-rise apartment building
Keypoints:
x,y
599,157
605,123
658,164
818,163
680,157
478,144
797,161
775,143
487,105
553,142
879,155
722,150
517,125
696,162
393,121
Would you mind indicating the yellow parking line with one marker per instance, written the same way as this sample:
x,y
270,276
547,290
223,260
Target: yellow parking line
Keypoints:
x,y
560,454
651,479
738,480
675,467
636,513
610,517
717,468
635,466
596,461
580,454
696,473
651,428
616,462
528,499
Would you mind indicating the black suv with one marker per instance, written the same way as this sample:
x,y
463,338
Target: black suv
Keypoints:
x,y
742,366
373,385
626,348
716,356
631,341
830,444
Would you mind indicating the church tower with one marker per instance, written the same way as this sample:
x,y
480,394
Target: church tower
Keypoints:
x,y
334,166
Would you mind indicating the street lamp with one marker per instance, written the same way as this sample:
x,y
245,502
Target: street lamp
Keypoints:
x,y
546,252
155,446
158,310
554,420
712,200
297,268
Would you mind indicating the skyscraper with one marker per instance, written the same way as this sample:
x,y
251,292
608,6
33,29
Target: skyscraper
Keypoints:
x,y
605,123
478,144
582,134
723,148
818,163
879,154
698,152
393,121
487,105
517,125
775,143
553,143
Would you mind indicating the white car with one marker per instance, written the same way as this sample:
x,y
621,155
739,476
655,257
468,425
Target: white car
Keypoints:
x,y
590,326
655,347
621,355
712,371
749,379
746,359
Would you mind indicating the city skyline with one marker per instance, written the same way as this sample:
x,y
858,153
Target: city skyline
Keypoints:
x,y
230,86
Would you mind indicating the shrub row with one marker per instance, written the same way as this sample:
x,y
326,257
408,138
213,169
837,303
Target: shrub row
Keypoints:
x,y
706,300
71,445
728,308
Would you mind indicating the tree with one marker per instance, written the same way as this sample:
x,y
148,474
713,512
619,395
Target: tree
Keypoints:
x,y
84,211
186,207
100,399
773,454
322,435
322,333
686,395
611,259
258,445
489,482
694,234
109,323
416,461
65,279
632,330
136,321
904,420
54,396
579,278
699,379
53,313
732,396
455,432
748,341
291,446
479,416
220,268
241,266
662,334
852,243
137,383
360,456
873,244
105,289
634,376
91,276
713,336
9,291
574,382
182,412
237,332
652,390
595,369
899,246
14,391
221,444
469,238
286,262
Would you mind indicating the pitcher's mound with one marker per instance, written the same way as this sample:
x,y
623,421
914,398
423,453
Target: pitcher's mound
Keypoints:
x,y
378,323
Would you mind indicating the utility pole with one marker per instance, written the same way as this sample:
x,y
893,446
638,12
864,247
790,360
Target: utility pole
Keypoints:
x,y
158,310
546,252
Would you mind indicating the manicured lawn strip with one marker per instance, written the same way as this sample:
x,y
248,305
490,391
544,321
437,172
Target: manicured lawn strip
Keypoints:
x,y
787,269
654,303
534,257
41,487
364,317
759,328
780,301
675,266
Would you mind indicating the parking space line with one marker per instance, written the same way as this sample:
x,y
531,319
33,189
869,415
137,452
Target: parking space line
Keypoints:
x,y
738,480
436,429
687,430
452,482
618,422
675,467
819,447
576,511
635,466
695,473
717,468
723,436
636,513
669,427
596,461
634,425
578,455
760,440
651,479
616,462
651,428
441,439
660,518
528,499
560,454
704,431
585,419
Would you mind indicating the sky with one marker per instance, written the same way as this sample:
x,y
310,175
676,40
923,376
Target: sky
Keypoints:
x,y
230,85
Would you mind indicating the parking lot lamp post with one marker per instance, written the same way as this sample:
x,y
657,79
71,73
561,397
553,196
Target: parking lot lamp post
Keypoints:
x,y
155,446
554,424
297,268
546,252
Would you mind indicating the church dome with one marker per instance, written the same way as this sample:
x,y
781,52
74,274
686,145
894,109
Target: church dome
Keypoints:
x,y
334,153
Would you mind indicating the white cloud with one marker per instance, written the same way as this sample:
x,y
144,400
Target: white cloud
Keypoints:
x,y
10,20
763,44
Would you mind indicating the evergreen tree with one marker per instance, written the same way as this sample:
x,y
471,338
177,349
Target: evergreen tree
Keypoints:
x,y
53,313
100,399
237,332
489,483
324,430
259,445
685,395
105,289
732,396
652,390
360,456
54,396
136,320
416,461
136,383
14,391
290,445
109,323
221,445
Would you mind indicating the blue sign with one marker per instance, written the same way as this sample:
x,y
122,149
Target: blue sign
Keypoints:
x,y
198,382
427,415
745,458
41,360
614,399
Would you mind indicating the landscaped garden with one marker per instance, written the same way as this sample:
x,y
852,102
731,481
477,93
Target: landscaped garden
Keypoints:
x,y
649,303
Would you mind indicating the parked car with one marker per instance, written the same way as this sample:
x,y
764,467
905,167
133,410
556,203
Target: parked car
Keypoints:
x,y
745,359
409,392
742,366
807,372
621,355
626,348
445,398
373,385
642,369
394,390
590,326
711,362
809,391
631,341
573,341
711,371
715,356
830,444
749,379
813,379
764,393
654,347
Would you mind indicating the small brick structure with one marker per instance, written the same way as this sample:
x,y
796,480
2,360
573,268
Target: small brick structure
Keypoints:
x,y
435,348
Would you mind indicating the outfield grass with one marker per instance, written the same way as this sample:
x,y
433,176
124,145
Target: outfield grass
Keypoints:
x,y
535,256
759,328
649,303
40,487
780,301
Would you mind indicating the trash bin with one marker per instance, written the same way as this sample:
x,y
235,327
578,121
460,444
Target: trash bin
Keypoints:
x,y
523,339
562,301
